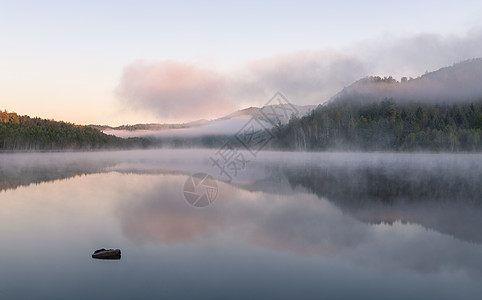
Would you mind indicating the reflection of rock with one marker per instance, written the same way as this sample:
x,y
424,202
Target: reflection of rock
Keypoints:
x,y
107,254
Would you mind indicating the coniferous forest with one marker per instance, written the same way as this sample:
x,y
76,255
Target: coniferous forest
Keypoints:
x,y
26,133
344,124
385,126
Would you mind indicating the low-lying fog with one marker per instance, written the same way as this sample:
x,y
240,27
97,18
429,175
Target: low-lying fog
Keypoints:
x,y
373,187
227,127
349,218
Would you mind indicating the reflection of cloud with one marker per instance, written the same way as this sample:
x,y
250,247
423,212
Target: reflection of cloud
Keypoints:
x,y
152,208
167,225
308,226
164,216
303,224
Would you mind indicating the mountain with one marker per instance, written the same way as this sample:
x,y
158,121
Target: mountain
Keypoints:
x,y
438,111
151,126
459,83
227,125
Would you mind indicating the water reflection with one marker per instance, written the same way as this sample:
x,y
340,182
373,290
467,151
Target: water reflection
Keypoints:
x,y
23,169
390,178
440,192
346,218
301,224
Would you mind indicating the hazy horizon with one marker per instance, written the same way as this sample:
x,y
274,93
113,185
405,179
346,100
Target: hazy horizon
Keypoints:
x,y
120,63
431,90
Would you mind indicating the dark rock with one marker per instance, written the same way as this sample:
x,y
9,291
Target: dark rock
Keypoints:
x,y
107,254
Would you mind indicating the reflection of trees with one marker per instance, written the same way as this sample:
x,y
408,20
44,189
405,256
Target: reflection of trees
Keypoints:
x,y
16,175
445,199
378,183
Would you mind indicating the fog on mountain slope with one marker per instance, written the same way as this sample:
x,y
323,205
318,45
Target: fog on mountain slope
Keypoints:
x,y
458,83
227,125
439,111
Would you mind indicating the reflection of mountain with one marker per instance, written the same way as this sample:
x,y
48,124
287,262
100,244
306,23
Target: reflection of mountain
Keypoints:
x,y
249,214
441,192
444,197
361,184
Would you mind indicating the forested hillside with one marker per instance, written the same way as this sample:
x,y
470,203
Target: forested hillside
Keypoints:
x,y
438,111
385,126
26,133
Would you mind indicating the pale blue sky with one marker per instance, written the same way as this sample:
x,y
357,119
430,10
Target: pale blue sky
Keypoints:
x,y
64,59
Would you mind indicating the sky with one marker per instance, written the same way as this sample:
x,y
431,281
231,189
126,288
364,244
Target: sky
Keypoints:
x,y
127,62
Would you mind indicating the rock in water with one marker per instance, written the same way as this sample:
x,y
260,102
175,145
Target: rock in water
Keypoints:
x,y
107,254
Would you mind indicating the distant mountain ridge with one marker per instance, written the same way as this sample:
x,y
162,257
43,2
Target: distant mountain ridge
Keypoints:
x,y
227,125
438,111
459,83
149,126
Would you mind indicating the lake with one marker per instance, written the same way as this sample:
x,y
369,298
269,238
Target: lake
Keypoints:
x,y
284,225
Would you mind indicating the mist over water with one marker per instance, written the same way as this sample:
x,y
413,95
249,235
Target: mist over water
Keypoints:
x,y
379,225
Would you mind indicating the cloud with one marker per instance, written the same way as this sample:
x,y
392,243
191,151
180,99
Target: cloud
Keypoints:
x,y
305,77
174,90
178,90
416,54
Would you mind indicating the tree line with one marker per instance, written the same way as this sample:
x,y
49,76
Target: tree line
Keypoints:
x,y
26,133
385,126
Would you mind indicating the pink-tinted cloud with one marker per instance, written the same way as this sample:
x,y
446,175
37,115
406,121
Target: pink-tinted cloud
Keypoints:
x,y
181,91
175,90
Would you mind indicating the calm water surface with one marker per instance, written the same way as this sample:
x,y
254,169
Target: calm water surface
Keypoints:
x,y
289,226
